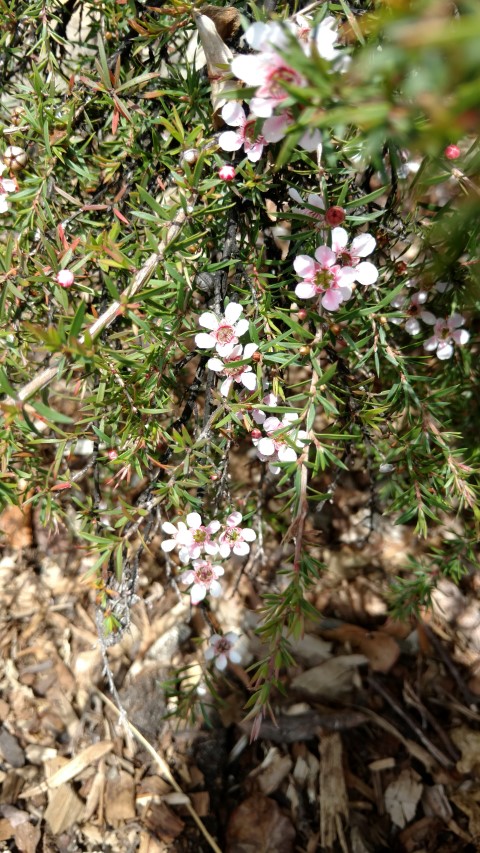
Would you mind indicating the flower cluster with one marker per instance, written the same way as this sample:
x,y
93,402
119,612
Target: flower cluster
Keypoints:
x,y
447,331
332,272
223,336
270,74
198,542
7,186
282,440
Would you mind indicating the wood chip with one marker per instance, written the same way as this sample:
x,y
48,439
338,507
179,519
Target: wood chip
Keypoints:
x,y
119,797
72,768
333,790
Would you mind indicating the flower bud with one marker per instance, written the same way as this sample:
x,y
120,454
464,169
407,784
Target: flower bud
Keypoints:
x,y
15,158
65,278
17,116
112,454
226,173
335,215
256,357
191,156
304,350
256,433
302,314
452,152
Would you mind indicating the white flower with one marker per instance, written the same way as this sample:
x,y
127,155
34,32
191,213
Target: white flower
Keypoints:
x,y
412,306
235,538
224,332
274,447
258,415
221,650
242,373
204,577
360,247
192,538
446,332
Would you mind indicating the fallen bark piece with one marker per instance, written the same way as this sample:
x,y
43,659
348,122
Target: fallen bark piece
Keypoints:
x,y
402,797
72,768
333,792
331,680
119,797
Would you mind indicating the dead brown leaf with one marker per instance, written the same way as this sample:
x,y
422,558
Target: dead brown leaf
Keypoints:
x,y
330,680
258,826
402,797
380,648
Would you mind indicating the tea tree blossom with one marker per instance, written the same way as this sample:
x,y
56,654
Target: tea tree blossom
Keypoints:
x,y
204,579
221,650
324,277
412,306
360,247
246,133
446,332
274,447
224,332
7,186
235,538
191,538
241,374
271,71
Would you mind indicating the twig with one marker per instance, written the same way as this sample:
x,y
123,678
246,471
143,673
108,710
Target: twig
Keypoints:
x,y
436,753
139,280
164,768
467,695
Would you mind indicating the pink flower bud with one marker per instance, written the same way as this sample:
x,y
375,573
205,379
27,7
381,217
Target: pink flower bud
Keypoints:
x,y
302,314
226,173
335,215
452,152
65,278
256,433
112,454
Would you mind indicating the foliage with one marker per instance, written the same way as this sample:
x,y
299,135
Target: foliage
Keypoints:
x,y
114,421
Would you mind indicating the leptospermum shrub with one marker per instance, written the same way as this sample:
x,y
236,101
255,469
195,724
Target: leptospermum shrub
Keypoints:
x,y
235,271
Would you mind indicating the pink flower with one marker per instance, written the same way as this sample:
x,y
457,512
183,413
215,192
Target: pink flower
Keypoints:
x,y
315,209
235,538
274,447
446,332
275,128
452,152
246,134
227,173
360,247
258,415
65,278
221,650
224,332
204,577
242,373
271,71
324,276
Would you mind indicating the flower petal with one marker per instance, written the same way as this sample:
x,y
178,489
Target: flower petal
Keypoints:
x,y
232,312
230,141
215,589
366,273
204,341
304,266
305,290
249,381
363,245
250,69
325,256
339,239
215,364
266,447
249,350
208,321
234,114
332,299
198,592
